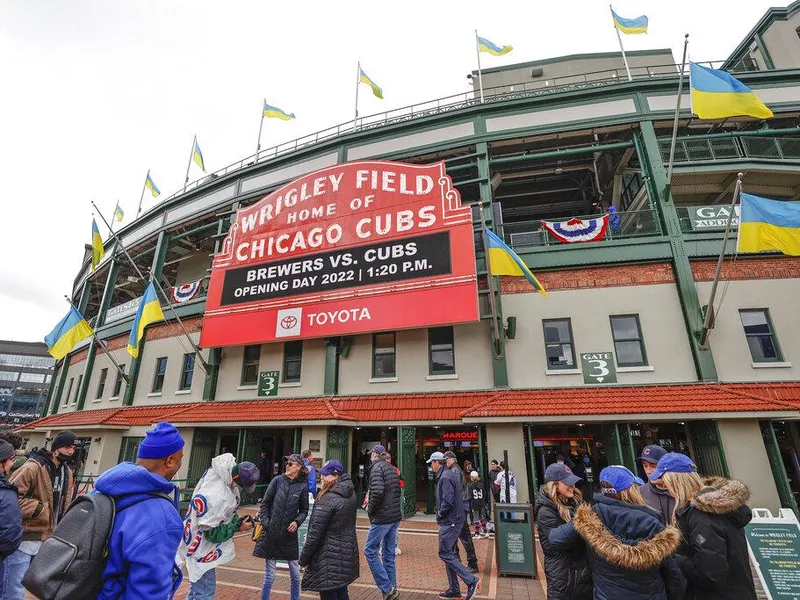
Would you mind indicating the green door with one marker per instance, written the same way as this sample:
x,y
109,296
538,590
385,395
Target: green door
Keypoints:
x,y
531,450
611,443
203,445
626,444
338,441
707,448
777,465
407,461
250,445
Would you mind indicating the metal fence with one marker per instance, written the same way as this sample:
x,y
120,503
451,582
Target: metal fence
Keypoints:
x,y
731,148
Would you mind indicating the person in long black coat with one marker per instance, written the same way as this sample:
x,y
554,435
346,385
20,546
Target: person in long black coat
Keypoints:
x,y
283,510
330,554
567,573
711,514
10,514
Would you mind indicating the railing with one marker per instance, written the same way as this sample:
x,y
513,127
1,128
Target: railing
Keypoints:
x,y
633,224
731,148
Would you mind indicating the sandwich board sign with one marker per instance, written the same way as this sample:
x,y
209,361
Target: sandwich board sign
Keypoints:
x,y
774,544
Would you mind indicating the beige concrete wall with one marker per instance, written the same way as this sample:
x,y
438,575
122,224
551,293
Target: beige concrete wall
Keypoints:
x,y
67,402
782,43
748,462
316,433
35,439
472,355
666,343
101,362
728,343
173,348
500,437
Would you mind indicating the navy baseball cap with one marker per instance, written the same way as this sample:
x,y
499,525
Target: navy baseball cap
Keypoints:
x,y
673,462
332,467
620,479
652,453
562,473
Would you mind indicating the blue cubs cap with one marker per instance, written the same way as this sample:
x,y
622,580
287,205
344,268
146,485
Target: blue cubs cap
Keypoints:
x,y
673,462
620,479
332,467
246,474
379,449
161,441
435,456
562,473
652,453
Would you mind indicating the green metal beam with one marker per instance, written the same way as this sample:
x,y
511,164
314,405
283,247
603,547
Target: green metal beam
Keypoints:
x,y
62,379
734,134
762,47
210,385
558,153
331,384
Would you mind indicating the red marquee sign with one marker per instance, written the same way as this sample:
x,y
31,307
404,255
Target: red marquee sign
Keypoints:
x,y
359,247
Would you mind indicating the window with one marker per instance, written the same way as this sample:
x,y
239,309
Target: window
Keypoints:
x,y
69,390
6,376
252,357
31,377
101,385
292,361
118,383
558,344
187,371
129,449
760,335
628,341
78,389
158,377
441,351
384,363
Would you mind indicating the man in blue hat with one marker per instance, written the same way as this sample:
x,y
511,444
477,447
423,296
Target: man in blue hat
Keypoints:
x,y
147,528
654,493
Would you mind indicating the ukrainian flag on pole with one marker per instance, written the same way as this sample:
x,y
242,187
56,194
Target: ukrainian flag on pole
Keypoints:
x,y
151,185
769,225
98,252
504,261
119,214
485,45
149,312
363,78
273,112
70,330
197,156
630,26
719,95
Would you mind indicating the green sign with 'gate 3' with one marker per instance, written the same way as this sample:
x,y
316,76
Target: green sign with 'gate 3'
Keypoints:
x,y
598,367
268,383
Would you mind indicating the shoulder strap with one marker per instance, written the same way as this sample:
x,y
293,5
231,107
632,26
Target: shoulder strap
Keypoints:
x,y
161,495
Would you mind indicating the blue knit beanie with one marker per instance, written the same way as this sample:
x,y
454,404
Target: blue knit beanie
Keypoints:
x,y
161,441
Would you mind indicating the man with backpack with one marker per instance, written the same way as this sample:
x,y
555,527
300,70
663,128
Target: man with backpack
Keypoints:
x,y
44,485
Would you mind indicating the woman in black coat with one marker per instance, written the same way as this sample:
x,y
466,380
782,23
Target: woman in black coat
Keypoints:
x,y
283,510
330,553
711,514
567,573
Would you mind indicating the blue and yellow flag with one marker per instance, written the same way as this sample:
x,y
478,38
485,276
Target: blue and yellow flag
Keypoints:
x,y
119,214
273,112
149,312
769,225
98,252
151,185
70,330
363,78
719,95
630,26
197,156
504,261
485,45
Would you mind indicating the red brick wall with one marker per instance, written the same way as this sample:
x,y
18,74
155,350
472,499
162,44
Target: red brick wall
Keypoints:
x,y
593,277
774,267
173,329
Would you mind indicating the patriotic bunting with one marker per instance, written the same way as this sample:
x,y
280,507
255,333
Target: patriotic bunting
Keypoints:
x,y
578,230
185,292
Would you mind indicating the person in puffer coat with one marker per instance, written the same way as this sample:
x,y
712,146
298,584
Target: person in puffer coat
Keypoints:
x,y
568,576
283,510
711,514
330,554
628,547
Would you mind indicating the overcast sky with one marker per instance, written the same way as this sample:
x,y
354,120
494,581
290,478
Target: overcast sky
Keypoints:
x,y
98,91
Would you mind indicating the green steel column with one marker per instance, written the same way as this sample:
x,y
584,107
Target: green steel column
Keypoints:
x,y
653,164
155,273
62,379
331,385
51,389
210,385
762,46
531,450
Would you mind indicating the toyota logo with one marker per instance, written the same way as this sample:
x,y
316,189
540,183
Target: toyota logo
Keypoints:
x,y
288,322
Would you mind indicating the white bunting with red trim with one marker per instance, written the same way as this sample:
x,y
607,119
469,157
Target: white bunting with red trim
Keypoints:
x,y
578,230
185,292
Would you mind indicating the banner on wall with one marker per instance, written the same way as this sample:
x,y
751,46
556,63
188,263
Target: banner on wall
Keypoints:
x,y
578,230
358,247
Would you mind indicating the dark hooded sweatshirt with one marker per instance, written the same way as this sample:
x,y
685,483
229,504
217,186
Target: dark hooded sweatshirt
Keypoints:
x,y
713,551
659,500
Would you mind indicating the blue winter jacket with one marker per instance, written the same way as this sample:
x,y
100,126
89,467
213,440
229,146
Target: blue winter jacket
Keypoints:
x,y
10,518
449,501
311,477
145,538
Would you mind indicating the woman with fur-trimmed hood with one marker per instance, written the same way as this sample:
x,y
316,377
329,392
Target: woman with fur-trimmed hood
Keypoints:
x,y
628,547
711,514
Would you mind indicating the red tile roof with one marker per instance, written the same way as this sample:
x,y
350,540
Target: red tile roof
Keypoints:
x,y
286,409
410,407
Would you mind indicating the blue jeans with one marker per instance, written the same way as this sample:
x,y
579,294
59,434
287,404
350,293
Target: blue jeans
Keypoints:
x,y
204,588
448,537
15,567
269,579
383,569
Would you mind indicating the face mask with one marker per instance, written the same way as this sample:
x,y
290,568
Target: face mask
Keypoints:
x,y
66,458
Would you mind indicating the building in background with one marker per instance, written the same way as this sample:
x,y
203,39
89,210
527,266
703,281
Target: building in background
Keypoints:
x,y
26,372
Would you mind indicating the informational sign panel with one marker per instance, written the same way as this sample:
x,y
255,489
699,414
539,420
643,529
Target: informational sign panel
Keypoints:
x,y
774,544
121,311
268,383
598,367
705,218
354,248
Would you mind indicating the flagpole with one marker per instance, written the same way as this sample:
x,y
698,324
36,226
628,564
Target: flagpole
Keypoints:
x,y
141,197
189,166
158,287
358,82
619,37
490,280
480,77
120,369
708,321
260,126
677,113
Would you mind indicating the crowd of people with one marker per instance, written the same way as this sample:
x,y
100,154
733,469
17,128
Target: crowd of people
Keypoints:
x,y
678,536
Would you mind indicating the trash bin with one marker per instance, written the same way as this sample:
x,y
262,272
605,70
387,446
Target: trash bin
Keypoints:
x,y
513,539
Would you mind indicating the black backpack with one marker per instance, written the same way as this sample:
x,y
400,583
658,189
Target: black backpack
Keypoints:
x,y
70,563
